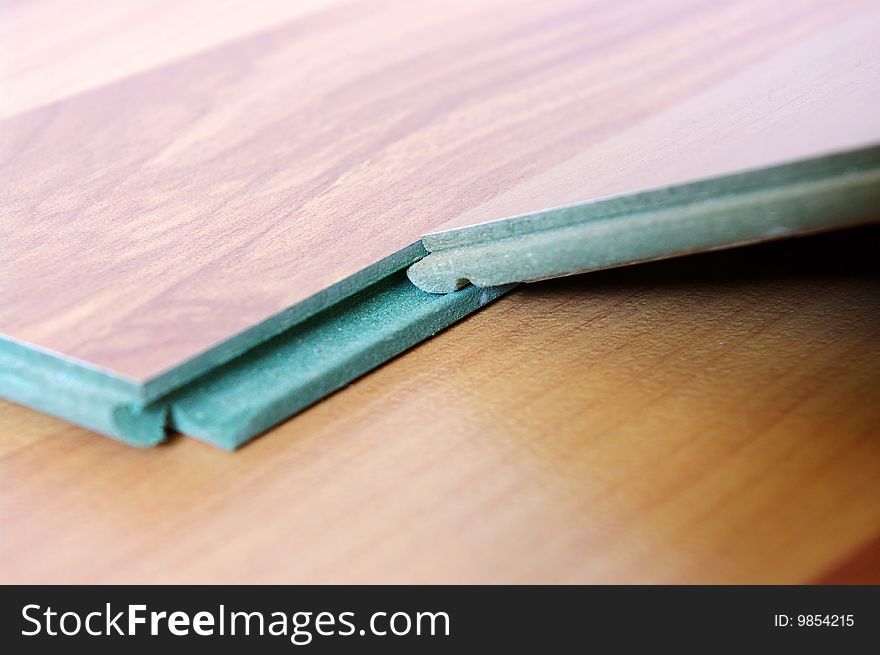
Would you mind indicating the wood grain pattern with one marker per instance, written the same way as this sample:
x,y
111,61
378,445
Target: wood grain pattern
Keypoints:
x,y
809,99
154,208
95,42
715,419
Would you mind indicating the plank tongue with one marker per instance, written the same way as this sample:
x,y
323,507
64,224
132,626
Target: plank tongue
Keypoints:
x,y
817,194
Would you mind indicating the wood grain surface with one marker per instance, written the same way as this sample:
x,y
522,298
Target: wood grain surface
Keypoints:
x,y
714,419
169,181
809,99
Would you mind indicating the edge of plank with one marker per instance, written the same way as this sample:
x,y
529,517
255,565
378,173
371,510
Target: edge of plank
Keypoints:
x,y
805,196
278,323
14,353
240,399
76,393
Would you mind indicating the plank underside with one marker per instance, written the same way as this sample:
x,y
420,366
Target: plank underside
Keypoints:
x,y
169,208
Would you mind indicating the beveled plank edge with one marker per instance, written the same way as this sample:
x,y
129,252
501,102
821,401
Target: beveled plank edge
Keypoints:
x,y
787,200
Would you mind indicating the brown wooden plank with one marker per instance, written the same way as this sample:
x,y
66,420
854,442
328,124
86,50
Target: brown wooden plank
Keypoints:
x,y
714,419
153,210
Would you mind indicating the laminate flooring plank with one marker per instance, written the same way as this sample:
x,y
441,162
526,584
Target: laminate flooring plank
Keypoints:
x,y
812,98
710,419
794,199
91,43
156,209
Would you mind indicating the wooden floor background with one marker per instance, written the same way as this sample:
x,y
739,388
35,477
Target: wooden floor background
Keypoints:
x,y
712,419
